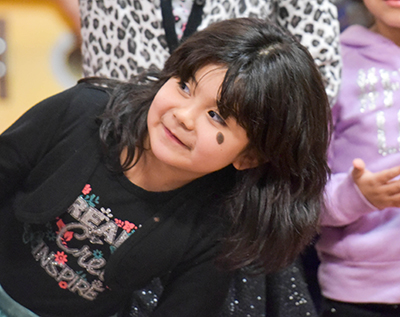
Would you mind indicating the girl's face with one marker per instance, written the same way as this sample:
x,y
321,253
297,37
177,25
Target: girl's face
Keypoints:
x,y
186,132
387,16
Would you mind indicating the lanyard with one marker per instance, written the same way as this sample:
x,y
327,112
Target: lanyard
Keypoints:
x,y
193,22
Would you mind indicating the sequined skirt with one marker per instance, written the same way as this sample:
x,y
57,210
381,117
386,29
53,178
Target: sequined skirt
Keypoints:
x,y
282,294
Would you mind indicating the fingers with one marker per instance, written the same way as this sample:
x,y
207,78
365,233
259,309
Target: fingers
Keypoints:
x,y
392,188
381,189
381,177
388,201
394,201
388,174
358,168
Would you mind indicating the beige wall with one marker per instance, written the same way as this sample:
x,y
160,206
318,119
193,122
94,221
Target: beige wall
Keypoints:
x,y
38,39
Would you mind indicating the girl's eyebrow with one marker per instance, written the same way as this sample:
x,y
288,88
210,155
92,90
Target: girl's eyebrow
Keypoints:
x,y
196,82
210,71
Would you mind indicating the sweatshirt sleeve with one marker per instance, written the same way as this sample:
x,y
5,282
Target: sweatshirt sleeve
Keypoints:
x,y
315,23
344,203
26,141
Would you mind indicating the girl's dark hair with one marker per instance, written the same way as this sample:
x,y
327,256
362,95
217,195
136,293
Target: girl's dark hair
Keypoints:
x,y
275,92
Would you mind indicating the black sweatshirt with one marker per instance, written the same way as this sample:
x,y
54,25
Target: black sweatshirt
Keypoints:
x,y
76,239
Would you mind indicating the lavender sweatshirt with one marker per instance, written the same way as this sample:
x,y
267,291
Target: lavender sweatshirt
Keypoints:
x,y
359,246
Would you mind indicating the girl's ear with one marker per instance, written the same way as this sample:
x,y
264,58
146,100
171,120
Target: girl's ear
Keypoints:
x,y
245,160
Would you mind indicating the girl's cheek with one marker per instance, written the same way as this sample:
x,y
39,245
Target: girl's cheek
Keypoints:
x,y
220,138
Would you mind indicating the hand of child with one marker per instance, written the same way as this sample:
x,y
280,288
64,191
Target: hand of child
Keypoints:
x,y
378,188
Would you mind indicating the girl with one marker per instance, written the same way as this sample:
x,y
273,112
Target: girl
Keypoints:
x,y
210,167
359,271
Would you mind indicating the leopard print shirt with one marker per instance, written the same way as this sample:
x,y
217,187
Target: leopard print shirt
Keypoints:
x,y
121,38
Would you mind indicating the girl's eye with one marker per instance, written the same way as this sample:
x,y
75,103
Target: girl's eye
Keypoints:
x,y
216,117
184,87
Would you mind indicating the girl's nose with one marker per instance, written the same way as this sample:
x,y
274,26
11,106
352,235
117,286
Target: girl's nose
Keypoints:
x,y
185,117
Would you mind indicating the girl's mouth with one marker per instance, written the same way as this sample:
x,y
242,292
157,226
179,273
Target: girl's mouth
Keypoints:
x,y
172,136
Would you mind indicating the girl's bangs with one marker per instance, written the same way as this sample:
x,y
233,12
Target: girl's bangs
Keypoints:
x,y
241,99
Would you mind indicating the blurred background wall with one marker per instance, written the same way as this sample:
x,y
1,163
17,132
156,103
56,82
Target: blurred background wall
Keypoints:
x,y
38,55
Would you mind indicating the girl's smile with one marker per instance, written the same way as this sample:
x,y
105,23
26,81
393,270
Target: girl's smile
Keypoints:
x,y
175,138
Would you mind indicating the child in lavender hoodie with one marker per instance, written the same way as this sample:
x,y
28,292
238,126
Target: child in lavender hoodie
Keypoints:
x,y
359,246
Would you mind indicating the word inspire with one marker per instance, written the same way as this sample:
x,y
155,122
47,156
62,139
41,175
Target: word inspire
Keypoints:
x,y
94,226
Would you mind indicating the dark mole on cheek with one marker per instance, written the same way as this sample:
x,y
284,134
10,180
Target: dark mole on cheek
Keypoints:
x,y
220,138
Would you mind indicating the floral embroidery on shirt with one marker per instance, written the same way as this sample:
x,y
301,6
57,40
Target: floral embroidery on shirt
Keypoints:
x,y
87,189
92,200
126,225
68,235
71,249
97,254
61,257
50,235
82,274
107,212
